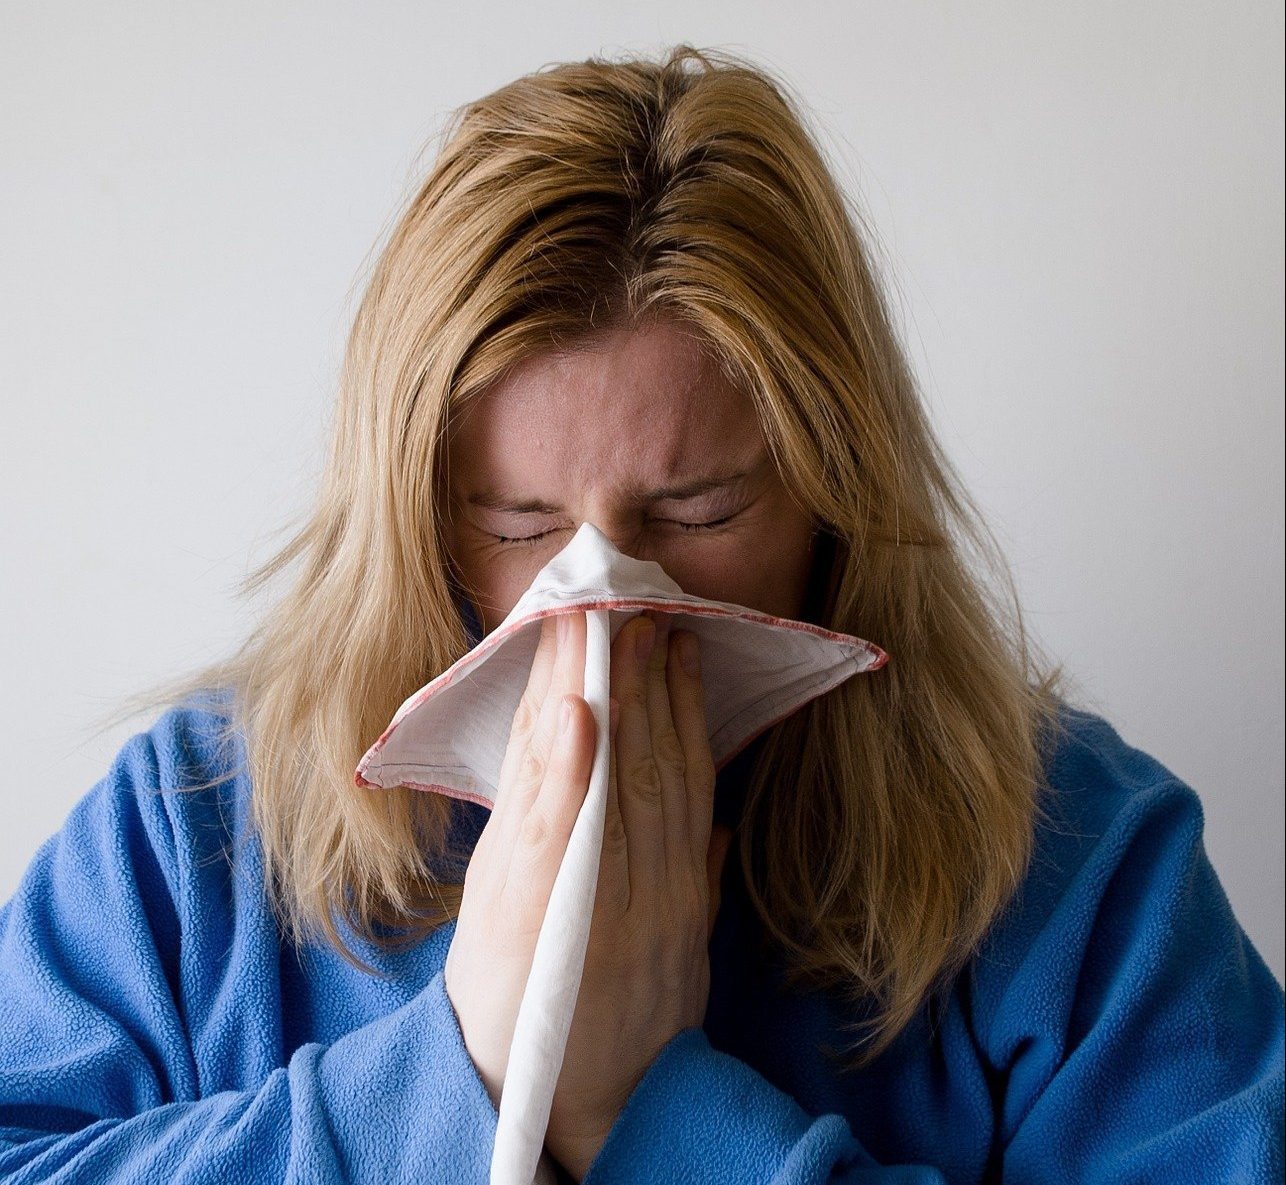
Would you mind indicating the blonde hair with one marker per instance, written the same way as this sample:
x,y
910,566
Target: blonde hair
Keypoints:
x,y
887,823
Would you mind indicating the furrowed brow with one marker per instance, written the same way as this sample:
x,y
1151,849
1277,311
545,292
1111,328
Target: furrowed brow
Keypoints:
x,y
682,492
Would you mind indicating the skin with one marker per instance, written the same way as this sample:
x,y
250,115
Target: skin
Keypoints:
x,y
589,434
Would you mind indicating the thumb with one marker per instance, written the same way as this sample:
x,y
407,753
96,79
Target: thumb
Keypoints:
x,y
720,842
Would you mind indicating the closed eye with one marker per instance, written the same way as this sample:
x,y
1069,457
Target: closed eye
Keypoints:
x,y
697,527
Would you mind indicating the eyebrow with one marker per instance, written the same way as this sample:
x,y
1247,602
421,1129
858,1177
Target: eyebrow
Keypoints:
x,y
683,492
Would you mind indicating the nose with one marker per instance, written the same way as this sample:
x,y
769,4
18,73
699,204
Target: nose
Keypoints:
x,y
624,536
625,544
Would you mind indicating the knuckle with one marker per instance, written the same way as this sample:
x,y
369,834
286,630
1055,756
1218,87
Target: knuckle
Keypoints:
x,y
669,750
535,829
527,713
643,779
531,770
615,841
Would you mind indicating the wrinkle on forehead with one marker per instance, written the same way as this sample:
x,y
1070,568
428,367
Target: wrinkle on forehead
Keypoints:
x,y
632,410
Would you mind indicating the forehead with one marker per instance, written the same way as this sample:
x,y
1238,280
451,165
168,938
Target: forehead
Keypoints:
x,y
636,406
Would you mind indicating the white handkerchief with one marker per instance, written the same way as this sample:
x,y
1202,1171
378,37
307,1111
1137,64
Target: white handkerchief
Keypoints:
x,y
450,736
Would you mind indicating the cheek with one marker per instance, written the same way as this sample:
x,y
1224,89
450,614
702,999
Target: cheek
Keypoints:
x,y
777,566
493,575
764,567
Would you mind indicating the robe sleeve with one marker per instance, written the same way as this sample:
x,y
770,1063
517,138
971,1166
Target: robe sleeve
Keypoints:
x,y
97,1072
1140,1039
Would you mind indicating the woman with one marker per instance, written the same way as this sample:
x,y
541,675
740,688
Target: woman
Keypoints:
x,y
937,926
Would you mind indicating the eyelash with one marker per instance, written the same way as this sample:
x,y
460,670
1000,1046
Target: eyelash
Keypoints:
x,y
532,539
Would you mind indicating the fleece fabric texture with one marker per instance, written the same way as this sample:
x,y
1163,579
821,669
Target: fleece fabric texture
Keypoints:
x,y
1116,1026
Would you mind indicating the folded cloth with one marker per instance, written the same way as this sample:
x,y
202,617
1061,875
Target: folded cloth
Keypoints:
x,y
450,737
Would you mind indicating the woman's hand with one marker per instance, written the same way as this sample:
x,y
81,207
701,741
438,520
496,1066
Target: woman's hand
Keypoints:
x,y
647,970
647,964
543,782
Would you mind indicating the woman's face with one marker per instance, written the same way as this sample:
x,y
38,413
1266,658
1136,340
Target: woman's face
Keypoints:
x,y
619,435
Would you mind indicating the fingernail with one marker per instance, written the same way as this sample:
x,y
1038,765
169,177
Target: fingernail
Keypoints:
x,y
644,638
565,717
688,653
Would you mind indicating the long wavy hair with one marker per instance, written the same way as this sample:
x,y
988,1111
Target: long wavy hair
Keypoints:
x,y
886,824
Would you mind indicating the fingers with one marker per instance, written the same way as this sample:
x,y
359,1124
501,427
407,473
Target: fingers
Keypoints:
x,y
510,796
612,896
545,828
550,781
664,672
558,669
568,679
638,777
687,700
663,763
657,823
528,711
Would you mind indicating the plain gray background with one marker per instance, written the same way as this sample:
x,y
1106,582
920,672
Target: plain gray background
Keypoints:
x,y
1080,209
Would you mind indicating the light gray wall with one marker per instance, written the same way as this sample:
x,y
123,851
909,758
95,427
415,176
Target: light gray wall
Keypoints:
x,y
1082,210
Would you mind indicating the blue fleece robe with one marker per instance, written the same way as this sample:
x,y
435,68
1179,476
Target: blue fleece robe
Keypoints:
x,y
1116,1026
